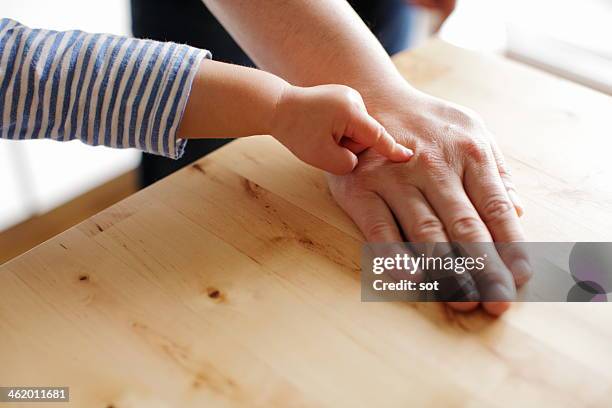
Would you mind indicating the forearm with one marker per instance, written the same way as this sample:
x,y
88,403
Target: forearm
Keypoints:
x,y
230,101
97,88
310,43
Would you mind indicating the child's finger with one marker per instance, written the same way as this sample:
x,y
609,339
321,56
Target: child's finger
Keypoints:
x,y
368,132
337,160
352,145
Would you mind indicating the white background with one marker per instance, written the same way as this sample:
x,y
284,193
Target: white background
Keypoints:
x,y
38,175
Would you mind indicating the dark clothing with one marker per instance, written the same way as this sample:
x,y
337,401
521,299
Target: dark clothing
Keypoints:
x,y
190,22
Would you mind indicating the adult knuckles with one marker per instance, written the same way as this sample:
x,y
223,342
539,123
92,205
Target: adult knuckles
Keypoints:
x,y
377,229
469,133
425,229
467,229
475,150
496,209
431,160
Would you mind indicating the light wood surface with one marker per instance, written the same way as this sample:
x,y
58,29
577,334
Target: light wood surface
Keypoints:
x,y
235,282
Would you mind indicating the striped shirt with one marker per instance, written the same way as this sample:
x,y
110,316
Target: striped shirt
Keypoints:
x,y
98,88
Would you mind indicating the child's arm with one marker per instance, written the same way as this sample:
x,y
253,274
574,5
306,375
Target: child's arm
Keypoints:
x,y
120,92
98,88
324,126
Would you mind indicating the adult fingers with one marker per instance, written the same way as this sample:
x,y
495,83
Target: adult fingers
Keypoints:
x,y
506,176
376,222
487,192
421,225
464,225
416,217
371,214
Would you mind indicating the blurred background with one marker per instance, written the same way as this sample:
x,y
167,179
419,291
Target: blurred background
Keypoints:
x,y
46,186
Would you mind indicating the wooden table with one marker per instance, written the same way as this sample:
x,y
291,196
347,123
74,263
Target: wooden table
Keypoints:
x,y
235,282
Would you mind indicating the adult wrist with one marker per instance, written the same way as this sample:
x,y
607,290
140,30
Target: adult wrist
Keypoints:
x,y
383,99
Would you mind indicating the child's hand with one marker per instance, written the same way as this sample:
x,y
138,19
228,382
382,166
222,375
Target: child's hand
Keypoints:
x,y
326,126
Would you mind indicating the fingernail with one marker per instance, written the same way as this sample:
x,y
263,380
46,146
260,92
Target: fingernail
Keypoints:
x,y
521,270
408,153
518,204
498,292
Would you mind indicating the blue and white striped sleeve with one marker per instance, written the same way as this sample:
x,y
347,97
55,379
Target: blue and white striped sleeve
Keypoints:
x,y
98,88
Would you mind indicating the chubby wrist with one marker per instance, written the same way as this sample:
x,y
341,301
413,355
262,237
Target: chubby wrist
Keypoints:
x,y
271,98
284,95
231,101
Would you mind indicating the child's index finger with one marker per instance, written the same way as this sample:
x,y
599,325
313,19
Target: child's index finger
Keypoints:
x,y
370,133
388,147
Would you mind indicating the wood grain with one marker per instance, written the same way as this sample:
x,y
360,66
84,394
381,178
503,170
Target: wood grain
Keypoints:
x,y
235,282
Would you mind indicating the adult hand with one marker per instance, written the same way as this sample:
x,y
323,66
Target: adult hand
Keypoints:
x,y
456,188
452,189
